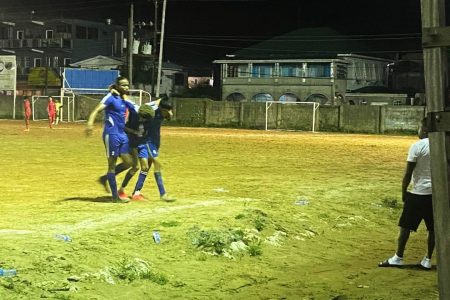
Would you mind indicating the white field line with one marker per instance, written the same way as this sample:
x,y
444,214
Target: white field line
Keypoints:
x,y
107,220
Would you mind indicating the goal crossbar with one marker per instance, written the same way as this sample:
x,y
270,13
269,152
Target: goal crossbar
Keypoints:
x,y
314,107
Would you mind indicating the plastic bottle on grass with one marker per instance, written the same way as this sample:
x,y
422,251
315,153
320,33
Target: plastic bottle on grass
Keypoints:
x,y
156,237
63,237
7,272
302,201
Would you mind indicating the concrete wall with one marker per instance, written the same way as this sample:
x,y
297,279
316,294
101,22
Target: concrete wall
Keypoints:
x,y
205,112
344,118
377,98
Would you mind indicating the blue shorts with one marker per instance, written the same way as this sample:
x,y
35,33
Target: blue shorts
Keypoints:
x,y
116,144
147,150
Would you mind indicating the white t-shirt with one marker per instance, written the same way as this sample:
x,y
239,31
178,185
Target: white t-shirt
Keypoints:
x,y
419,152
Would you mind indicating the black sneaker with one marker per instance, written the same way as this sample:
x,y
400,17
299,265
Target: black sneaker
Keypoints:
x,y
120,200
103,180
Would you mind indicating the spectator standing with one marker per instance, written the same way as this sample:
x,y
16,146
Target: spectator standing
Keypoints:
x,y
418,202
51,110
27,113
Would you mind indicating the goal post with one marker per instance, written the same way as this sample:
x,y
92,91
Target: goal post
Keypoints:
x,y
282,115
39,107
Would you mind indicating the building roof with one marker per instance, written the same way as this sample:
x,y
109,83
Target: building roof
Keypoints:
x,y
98,62
324,42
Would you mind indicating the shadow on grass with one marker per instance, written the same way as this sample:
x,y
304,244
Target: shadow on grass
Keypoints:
x,y
411,267
100,199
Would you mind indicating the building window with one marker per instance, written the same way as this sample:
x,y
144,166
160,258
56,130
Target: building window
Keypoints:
x,y
262,97
55,61
235,97
92,33
49,34
179,79
237,70
20,35
37,62
319,70
66,62
262,70
64,28
341,71
289,97
291,70
80,32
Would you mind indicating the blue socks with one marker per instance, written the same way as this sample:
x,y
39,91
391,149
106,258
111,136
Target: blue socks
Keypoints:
x,y
140,181
112,184
159,182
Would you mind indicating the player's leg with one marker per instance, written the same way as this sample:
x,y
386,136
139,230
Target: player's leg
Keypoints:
x,y
134,168
427,211
112,145
159,180
144,163
27,122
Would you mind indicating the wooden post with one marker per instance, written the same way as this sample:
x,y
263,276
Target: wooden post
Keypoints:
x,y
130,44
435,64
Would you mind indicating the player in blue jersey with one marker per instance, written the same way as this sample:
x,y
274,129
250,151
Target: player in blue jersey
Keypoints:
x,y
145,139
114,137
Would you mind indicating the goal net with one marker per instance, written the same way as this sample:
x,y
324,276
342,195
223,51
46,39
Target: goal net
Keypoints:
x,y
84,100
39,107
299,116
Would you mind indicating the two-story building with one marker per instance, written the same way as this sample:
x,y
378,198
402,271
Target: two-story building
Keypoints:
x,y
52,44
302,66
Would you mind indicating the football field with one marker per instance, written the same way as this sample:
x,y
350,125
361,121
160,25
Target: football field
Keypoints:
x,y
259,215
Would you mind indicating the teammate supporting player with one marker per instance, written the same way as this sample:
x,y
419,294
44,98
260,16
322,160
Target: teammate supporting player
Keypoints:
x,y
114,136
146,137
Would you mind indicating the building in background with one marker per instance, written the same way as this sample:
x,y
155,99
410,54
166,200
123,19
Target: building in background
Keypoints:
x,y
43,47
311,65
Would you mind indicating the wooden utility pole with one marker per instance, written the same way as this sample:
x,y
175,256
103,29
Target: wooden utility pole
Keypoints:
x,y
155,42
161,47
130,44
435,39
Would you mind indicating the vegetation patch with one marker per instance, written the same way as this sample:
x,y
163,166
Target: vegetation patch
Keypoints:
x,y
390,202
228,242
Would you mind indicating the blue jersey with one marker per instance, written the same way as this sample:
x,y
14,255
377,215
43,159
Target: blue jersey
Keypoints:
x,y
115,113
135,124
148,131
153,128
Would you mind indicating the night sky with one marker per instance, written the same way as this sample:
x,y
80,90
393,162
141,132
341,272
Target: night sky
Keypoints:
x,y
199,31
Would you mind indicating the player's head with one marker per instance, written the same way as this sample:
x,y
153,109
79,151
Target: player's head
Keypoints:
x,y
122,85
166,109
146,112
423,128
50,99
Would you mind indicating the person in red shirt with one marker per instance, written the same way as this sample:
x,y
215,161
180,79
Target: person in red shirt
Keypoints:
x,y
51,110
27,113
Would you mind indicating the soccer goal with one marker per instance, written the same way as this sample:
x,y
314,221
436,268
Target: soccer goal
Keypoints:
x,y
39,107
84,100
291,115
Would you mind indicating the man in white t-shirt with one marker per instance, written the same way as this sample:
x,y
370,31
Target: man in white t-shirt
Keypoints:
x,y
418,202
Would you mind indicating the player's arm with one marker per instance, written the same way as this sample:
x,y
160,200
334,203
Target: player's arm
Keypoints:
x,y
407,178
90,123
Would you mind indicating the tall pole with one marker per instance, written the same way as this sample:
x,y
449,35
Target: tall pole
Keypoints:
x,y
158,84
155,39
130,45
434,40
